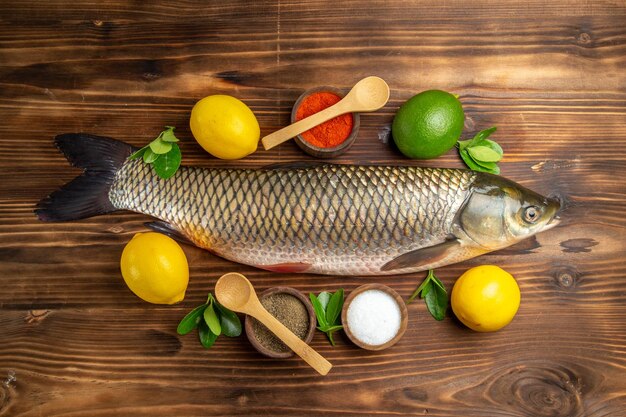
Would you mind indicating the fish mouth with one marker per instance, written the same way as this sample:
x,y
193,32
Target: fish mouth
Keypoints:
x,y
554,210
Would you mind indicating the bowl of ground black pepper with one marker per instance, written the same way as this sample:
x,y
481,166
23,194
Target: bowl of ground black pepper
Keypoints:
x,y
331,138
293,310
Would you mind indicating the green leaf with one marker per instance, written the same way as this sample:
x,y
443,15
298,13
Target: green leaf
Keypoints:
x,y
437,302
160,147
320,313
482,135
493,145
207,337
166,165
333,310
470,162
330,338
489,166
330,328
211,319
437,282
462,144
138,153
426,289
168,135
483,153
423,288
149,156
190,321
324,298
231,325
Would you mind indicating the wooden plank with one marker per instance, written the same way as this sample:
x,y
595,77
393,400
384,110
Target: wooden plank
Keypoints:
x,y
84,355
550,75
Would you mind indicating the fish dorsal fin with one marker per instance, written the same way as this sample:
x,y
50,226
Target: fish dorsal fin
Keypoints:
x,y
422,256
294,165
168,230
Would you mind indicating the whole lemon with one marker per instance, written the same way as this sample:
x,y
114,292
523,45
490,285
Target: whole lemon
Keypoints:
x,y
428,124
155,268
225,127
485,298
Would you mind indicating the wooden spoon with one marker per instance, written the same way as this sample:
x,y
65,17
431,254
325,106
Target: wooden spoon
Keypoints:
x,y
236,293
369,94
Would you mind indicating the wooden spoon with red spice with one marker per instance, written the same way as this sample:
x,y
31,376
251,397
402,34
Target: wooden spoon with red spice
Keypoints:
x,y
369,94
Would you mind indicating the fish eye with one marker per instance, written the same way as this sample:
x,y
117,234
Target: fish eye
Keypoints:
x,y
531,214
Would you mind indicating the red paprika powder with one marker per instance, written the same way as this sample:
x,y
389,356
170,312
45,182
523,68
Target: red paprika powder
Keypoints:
x,y
331,133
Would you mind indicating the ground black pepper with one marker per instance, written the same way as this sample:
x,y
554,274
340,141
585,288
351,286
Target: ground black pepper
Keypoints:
x,y
289,311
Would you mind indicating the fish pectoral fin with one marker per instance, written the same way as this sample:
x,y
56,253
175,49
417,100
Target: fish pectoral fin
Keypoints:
x,y
168,230
422,256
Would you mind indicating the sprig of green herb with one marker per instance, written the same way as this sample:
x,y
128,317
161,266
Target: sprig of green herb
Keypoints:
x,y
434,293
163,153
327,308
212,319
480,153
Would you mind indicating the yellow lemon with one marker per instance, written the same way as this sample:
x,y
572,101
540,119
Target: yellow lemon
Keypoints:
x,y
155,268
225,127
485,298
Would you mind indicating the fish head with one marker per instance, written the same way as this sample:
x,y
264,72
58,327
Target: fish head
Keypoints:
x,y
499,213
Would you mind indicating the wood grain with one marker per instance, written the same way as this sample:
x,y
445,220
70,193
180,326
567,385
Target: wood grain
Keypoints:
x,y
550,75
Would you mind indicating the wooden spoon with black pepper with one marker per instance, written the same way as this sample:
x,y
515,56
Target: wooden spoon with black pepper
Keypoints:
x,y
236,293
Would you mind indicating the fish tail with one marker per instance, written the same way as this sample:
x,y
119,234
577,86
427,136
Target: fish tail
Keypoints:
x,y
88,194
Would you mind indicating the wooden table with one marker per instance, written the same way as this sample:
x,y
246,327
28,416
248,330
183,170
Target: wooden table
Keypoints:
x,y
550,75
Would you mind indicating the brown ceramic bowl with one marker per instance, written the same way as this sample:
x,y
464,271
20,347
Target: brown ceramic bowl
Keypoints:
x,y
403,316
325,152
312,322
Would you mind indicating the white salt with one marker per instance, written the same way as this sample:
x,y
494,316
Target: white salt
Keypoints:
x,y
374,317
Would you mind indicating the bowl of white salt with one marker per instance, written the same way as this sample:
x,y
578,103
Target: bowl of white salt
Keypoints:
x,y
374,317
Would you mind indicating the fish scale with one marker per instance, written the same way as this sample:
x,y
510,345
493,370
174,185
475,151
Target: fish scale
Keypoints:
x,y
336,219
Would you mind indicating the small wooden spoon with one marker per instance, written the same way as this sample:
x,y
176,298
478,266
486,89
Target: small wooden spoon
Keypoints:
x,y
236,293
369,94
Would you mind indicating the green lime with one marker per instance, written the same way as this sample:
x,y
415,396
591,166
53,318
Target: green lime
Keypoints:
x,y
428,124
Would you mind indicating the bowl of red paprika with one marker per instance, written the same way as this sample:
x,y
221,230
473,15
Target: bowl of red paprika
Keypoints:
x,y
331,138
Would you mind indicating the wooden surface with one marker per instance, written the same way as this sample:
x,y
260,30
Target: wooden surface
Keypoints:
x,y
550,75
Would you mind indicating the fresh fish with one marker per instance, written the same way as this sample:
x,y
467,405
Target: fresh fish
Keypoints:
x,y
323,219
